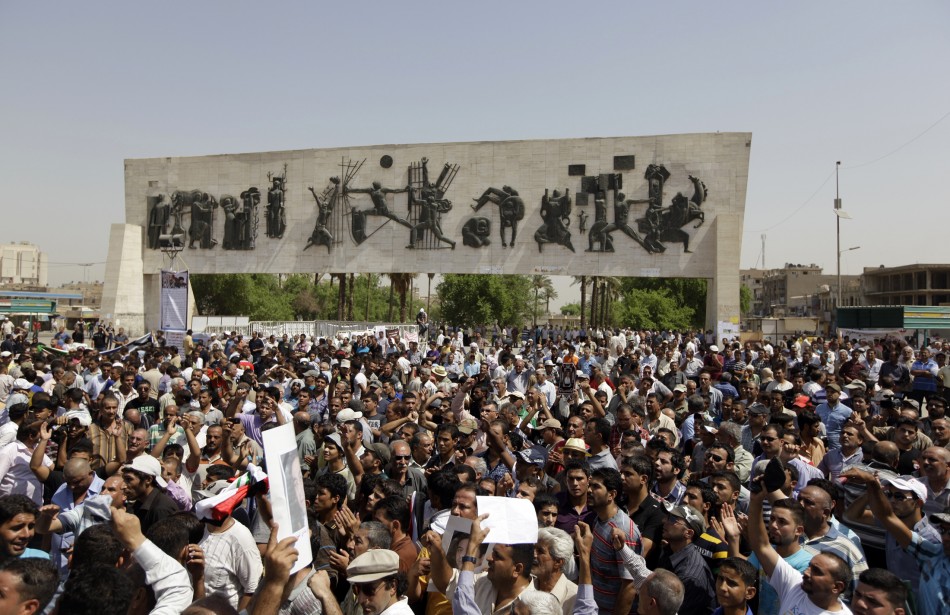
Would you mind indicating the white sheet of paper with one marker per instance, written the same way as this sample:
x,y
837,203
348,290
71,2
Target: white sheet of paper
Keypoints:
x,y
512,520
286,490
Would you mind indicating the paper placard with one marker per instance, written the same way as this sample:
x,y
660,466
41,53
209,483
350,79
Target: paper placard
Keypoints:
x,y
512,520
287,499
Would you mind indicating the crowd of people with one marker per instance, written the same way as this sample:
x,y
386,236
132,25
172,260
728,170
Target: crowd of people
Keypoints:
x,y
669,473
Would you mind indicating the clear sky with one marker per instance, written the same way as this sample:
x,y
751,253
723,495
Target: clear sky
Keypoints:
x,y
88,84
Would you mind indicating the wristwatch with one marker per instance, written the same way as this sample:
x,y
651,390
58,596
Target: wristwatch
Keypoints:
x,y
469,558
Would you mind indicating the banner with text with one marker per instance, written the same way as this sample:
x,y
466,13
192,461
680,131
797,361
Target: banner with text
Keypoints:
x,y
174,299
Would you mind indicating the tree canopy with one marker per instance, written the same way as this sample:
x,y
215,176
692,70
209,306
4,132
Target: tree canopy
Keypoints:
x,y
485,299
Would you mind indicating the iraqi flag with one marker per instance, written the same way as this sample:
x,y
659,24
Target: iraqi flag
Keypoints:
x,y
145,340
220,506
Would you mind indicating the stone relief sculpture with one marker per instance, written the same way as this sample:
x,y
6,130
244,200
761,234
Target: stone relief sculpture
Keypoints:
x,y
556,214
159,212
664,224
475,232
427,204
200,205
326,203
620,223
377,194
240,220
276,213
510,207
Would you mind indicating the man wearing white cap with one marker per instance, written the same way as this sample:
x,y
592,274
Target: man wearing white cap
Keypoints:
x,y
906,495
933,556
373,576
144,484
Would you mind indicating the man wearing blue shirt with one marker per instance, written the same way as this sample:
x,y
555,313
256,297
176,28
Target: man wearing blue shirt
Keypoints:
x,y
932,557
833,414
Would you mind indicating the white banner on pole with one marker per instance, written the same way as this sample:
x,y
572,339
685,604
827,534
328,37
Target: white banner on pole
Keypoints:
x,y
174,299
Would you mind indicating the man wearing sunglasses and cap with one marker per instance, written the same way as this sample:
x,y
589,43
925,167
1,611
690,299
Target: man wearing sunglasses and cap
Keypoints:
x,y
906,496
375,581
933,557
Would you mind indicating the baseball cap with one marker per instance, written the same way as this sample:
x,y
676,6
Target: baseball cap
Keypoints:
x,y
467,426
348,414
857,385
335,439
550,424
532,456
516,394
680,388
380,450
373,565
832,387
714,348
758,408
907,402
907,483
146,464
21,383
345,363
5,354
801,401
581,375
689,514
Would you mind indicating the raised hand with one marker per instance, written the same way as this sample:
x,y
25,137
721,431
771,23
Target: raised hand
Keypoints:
x,y
280,557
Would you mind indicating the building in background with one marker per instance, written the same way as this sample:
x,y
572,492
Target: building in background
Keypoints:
x,y
752,279
22,264
920,285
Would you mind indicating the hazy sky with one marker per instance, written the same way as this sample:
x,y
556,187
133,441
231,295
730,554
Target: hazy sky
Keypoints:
x,y
86,85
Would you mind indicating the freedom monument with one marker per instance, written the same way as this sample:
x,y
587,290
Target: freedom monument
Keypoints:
x,y
658,206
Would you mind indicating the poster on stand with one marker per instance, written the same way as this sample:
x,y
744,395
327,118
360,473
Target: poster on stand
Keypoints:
x,y
174,299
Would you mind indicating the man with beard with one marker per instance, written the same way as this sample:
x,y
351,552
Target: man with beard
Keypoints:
x,y
613,593
785,529
818,589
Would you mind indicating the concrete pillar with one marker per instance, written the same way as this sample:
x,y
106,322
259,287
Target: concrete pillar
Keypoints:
x,y
722,296
123,293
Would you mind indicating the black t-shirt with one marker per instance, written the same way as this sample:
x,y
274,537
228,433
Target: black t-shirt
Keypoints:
x,y
649,519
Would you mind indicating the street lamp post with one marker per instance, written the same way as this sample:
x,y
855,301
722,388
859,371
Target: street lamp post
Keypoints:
x,y
839,214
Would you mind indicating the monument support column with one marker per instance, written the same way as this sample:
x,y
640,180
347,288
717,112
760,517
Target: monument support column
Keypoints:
x,y
123,292
722,296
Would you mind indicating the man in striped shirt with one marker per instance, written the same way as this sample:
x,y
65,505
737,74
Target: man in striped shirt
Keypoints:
x,y
613,585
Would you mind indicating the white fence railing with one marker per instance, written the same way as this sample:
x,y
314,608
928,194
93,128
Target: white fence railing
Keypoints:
x,y
310,328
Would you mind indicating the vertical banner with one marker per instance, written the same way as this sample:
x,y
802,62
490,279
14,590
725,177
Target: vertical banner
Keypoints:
x,y
174,299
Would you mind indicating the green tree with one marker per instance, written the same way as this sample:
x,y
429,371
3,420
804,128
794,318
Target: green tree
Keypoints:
x,y
543,287
583,280
257,296
688,292
571,309
745,299
484,299
655,309
400,282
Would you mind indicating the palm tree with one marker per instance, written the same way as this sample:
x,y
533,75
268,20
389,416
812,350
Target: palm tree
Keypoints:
x,y
582,280
400,283
542,286
547,294
594,301
610,291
